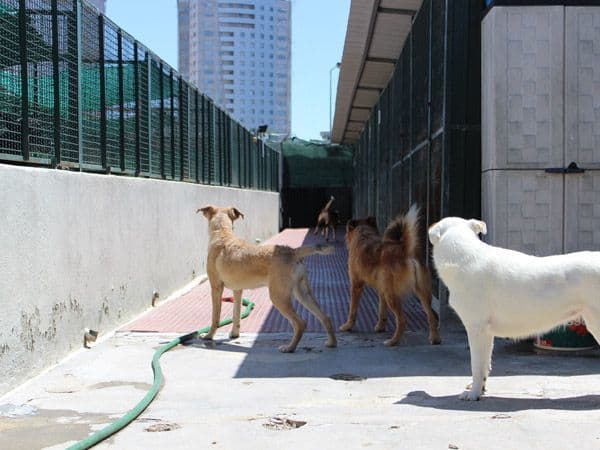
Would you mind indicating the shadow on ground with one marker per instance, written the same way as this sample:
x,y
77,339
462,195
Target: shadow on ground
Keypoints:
x,y
364,355
501,404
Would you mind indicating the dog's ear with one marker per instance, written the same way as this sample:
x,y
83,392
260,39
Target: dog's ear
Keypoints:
x,y
371,221
208,211
351,225
478,226
434,233
234,214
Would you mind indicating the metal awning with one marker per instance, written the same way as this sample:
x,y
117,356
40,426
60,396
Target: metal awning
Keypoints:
x,y
375,37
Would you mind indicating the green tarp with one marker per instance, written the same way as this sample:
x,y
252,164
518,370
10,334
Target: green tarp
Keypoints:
x,y
310,164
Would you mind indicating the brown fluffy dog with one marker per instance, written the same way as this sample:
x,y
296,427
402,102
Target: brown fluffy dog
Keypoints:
x,y
238,265
388,264
326,220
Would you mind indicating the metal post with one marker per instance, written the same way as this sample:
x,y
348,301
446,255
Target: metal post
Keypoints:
x,y
79,86
56,81
24,80
181,152
196,139
103,120
136,88
337,66
172,124
121,101
162,121
149,96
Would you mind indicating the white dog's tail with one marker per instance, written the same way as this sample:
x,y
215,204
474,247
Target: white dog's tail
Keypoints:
x,y
403,231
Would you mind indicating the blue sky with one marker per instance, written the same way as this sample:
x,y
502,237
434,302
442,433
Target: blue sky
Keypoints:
x,y
318,32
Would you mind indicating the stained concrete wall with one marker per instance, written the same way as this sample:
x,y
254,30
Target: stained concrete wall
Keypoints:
x,y
540,110
82,250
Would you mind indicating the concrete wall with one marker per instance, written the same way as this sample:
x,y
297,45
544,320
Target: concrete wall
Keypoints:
x,y
540,110
82,250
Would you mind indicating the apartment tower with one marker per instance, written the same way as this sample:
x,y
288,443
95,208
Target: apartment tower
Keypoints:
x,y
238,53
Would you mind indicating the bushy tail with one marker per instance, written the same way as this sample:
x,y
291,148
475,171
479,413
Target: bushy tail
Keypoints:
x,y
303,252
403,231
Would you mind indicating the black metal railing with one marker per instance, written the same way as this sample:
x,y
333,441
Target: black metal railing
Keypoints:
x,y
76,91
422,143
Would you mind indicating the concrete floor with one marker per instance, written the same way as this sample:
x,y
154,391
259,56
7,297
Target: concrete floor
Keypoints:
x,y
244,394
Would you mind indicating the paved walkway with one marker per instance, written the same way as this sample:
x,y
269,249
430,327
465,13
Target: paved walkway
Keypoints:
x,y
329,279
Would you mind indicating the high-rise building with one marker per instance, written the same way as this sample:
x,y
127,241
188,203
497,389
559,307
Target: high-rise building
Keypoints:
x,y
239,53
100,4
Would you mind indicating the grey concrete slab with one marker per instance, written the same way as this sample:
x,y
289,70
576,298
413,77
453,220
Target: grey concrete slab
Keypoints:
x,y
245,394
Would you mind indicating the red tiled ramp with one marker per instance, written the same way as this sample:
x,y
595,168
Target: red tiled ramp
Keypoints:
x,y
329,280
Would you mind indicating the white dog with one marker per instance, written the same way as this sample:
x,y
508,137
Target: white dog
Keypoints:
x,y
500,292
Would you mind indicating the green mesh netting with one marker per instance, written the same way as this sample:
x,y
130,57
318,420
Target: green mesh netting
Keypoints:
x,y
310,164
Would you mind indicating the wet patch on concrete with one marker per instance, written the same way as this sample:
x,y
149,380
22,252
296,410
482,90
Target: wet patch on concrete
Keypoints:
x,y
48,428
110,384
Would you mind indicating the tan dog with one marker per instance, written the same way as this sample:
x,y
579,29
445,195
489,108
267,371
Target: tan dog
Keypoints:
x,y
238,265
326,220
388,264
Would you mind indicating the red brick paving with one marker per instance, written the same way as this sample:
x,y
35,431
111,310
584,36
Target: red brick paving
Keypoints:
x,y
329,280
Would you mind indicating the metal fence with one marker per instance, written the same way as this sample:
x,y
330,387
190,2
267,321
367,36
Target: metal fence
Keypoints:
x,y
422,142
78,92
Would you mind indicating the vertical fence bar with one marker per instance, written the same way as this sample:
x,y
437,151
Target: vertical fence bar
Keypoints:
x,y
103,119
121,101
162,121
79,84
181,128
196,136
138,99
56,81
172,124
24,80
149,94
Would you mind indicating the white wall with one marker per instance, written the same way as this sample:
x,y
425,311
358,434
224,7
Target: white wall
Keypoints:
x,y
81,250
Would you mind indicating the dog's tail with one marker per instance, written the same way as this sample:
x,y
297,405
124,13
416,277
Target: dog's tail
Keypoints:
x,y
403,231
303,252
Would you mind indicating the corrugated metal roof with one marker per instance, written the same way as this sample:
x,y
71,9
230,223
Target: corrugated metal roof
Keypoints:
x,y
377,30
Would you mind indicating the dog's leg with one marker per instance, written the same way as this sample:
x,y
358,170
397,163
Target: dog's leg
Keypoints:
x,y
423,291
356,289
326,229
395,304
237,308
481,344
333,231
305,296
216,290
381,315
282,301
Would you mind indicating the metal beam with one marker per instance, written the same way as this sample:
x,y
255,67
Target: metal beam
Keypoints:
x,y
399,11
381,60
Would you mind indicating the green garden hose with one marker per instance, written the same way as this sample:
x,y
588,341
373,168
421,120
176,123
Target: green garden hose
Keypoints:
x,y
121,423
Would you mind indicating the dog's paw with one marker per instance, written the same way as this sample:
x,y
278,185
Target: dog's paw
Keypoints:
x,y
331,342
347,326
287,349
390,342
233,335
435,340
207,337
470,396
380,327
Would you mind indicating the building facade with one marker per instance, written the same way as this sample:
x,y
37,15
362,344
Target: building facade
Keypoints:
x,y
100,4
239,53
